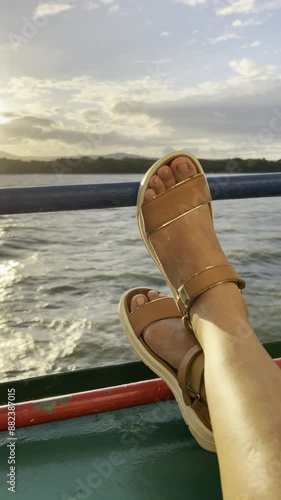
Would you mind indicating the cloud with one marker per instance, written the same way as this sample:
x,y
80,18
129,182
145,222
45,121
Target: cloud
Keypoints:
x,y
255,44
274,4
51,9
213,119
91,115
243,24
237,6
230,116
113,9
228,113
249,69
191,3
90,5
9,114
223,38
247,6
165,33
30,128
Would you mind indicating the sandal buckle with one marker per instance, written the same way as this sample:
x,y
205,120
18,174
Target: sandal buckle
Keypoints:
x,y
186,322
196,394
183,295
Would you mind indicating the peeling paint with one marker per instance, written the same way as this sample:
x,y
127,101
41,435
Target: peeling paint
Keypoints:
x,y
49,406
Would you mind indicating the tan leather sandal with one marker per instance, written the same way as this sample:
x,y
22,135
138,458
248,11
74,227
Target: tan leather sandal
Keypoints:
x,y
169,206
187,384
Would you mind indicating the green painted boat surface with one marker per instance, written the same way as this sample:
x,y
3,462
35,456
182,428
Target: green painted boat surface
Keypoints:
x,y
140,453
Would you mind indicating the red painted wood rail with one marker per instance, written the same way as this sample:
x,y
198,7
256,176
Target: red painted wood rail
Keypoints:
x,y
89,402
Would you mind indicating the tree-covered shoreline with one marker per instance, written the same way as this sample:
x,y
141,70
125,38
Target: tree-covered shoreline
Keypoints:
x,y
127,165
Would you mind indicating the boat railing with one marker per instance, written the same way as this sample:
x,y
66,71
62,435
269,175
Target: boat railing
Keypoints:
x,y
19,200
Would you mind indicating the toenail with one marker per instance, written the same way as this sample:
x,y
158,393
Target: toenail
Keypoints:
x,y
150,194
155,180
183,168
140,301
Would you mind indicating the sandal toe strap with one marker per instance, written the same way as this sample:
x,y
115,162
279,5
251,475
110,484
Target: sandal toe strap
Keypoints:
x,y
179,200
162,308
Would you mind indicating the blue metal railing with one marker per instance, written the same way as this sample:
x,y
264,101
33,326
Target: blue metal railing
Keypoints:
x,y
124,194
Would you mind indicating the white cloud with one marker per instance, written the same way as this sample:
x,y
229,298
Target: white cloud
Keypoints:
x,y
50,9
249,69
247,6
255,44
90,5
165,33
223,38
221,118
113,9
239,24
237,6
191,3
243,24
271,5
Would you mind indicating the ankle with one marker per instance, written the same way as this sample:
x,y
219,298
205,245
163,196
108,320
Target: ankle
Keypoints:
x,y
222,307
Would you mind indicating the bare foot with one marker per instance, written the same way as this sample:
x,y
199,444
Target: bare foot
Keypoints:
x,y
190,243
168,337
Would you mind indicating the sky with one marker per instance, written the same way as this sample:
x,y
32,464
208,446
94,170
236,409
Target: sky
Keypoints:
x,y
94,77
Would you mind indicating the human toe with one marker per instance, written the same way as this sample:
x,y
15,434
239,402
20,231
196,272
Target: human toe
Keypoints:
x,y
138,301
167,176
153,295
182,168
157,184
149,195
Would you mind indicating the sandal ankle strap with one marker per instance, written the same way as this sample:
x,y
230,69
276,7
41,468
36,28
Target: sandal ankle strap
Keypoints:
x,y
202,281
188,392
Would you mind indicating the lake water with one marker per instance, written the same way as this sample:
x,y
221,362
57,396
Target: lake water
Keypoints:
x,y
62,274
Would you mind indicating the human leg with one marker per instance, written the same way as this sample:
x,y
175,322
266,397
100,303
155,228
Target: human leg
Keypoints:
x,y
242,383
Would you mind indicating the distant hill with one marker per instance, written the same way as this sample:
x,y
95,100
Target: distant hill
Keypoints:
x,y
115,156
127,165
3,154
